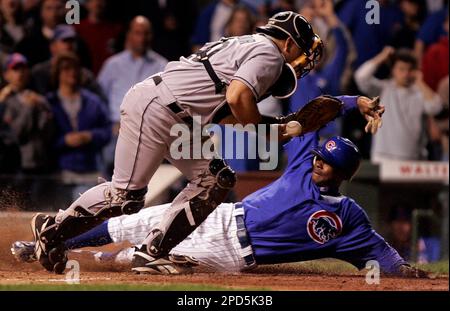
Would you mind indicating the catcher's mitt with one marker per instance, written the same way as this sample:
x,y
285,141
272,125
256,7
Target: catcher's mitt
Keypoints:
x,y
315,114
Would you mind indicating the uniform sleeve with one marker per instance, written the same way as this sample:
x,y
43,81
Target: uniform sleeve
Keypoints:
x,y
260,70
386,256
361,243
350,104
299,148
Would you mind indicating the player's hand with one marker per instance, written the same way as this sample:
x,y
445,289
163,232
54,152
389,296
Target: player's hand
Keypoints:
x,y
407,271
372,112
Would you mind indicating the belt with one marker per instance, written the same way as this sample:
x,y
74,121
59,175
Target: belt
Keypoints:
x,y
242,235
175,107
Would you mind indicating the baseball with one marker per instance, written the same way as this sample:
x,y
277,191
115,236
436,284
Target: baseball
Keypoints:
x,y
293,128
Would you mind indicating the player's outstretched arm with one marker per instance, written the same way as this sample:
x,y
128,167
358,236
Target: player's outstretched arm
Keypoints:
x,y
390,261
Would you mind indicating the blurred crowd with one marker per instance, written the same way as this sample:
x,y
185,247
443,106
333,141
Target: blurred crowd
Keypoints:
x,y
61,85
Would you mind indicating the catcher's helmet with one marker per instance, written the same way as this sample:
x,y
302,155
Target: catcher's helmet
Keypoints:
x,y
289,24
340,153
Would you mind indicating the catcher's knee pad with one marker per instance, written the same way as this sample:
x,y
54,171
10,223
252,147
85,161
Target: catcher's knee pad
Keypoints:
x,y
83,219
193,213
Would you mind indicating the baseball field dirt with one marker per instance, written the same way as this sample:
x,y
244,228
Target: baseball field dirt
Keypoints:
x,y
330,275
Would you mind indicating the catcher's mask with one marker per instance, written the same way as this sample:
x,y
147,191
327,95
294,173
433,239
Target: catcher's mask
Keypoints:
x,y
341,153
289,24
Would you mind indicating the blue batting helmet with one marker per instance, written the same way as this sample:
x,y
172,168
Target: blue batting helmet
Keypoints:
x,y
340,153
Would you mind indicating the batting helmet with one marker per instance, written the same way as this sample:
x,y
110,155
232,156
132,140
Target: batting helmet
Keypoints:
x,y
289,24
340,153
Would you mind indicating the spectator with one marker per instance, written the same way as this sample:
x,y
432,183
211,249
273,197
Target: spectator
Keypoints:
x,y
442,119
326,78
241,22
173,23
407,99
236,146
28,115
35,45
9,147
435,68
414,13
171,40
121,71
270,8
435,60
11,24
401,229
98,33
435,5
431,31
211,22
2,61
353,14
81,120
63,41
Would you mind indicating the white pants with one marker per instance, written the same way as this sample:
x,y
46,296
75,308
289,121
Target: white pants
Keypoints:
x,y
214,243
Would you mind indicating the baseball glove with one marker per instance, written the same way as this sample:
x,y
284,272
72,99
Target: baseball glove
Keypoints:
x,y
314,115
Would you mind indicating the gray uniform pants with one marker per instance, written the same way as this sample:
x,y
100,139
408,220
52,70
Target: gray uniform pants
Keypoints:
x,y
144,141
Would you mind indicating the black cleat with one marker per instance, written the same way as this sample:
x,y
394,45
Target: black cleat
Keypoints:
x,y
39,223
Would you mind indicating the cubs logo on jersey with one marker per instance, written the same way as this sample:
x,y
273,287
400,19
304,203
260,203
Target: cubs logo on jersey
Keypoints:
x,y
323,226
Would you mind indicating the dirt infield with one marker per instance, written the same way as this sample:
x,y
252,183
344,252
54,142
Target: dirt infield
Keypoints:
x,y
14,226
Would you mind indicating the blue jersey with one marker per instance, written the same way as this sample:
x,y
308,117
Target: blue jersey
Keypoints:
x,y
290,220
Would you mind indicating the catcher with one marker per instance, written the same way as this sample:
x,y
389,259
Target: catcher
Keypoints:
x,y
300,216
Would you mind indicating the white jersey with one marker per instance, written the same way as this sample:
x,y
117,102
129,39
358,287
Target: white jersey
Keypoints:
x,y
255,60
214,243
